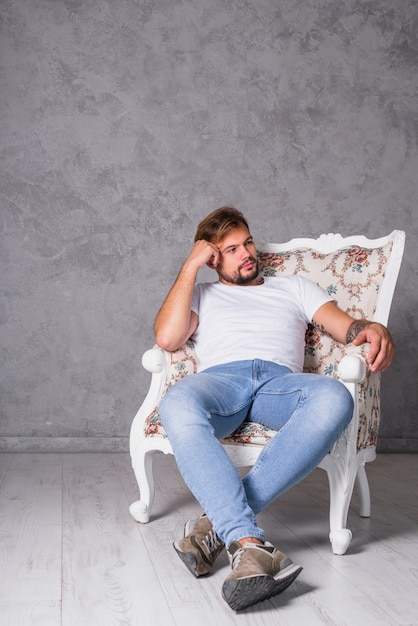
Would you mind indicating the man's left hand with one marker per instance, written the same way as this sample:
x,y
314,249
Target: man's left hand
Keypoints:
x,y
382,349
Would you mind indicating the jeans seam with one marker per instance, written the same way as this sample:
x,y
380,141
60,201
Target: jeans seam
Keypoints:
x,y
268,445
232,412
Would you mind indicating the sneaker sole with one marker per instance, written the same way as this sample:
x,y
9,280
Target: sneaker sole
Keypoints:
x,y
241,593
190,561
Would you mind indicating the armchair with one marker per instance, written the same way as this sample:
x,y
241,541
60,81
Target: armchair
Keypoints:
x,y
361,274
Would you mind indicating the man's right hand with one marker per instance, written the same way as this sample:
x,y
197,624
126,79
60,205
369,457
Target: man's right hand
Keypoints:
x,y
204,253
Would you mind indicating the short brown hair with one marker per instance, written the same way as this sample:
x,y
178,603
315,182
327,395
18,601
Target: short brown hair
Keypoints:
x,y
217,224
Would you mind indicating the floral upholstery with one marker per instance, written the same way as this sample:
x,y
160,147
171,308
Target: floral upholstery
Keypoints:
x,y
352,276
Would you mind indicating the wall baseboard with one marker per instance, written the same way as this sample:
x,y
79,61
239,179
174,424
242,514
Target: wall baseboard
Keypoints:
x,y
397,445
121,444
64,444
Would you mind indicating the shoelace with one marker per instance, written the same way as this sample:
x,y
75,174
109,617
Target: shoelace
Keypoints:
x,y
236,558
212,542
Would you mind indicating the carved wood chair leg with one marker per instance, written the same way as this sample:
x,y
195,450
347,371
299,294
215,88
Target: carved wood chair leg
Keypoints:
x,y
341,482
362,485
141,509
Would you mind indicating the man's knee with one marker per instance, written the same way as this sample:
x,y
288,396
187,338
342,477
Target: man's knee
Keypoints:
x,y
333,398
181,405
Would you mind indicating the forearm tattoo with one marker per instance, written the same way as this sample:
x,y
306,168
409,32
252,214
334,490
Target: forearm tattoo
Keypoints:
x,y
355,328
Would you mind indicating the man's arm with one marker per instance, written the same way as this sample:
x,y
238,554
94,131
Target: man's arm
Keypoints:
x,y
345,329
175,321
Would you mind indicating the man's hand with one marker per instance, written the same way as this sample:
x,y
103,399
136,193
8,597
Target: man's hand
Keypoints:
x,y
381,351
339,325
204,253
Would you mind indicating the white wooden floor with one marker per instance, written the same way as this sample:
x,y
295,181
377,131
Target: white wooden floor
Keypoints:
x,y
71,555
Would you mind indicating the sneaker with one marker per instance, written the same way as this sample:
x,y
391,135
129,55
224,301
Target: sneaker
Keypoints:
x,y
200,546
258,573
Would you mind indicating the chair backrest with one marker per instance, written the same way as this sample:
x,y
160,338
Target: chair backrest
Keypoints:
x,y
359,273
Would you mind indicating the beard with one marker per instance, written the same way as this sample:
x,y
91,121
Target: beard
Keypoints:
x,y
241,277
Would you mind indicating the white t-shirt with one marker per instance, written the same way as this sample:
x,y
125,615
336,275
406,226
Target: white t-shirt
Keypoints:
x,y
242,322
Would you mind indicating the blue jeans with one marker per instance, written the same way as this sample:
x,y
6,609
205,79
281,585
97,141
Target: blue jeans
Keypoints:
x,y
309,412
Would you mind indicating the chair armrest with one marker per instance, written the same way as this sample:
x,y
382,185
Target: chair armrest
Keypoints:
x,y
154,360
352,368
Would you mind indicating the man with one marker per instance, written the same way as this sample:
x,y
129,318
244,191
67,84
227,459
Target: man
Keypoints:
x,y
249,336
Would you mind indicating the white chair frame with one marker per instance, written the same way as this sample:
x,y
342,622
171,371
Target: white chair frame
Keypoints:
x,y
344,464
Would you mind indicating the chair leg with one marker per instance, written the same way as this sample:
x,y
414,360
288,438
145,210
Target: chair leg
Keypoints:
x,y
142,465
341,477
339,536
362,485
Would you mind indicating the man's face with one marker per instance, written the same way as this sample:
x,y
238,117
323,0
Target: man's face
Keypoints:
x,y
238,263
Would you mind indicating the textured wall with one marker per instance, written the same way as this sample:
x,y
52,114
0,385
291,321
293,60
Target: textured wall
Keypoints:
x,y
124,123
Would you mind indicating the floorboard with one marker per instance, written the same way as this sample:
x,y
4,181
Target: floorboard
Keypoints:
x,y
71,555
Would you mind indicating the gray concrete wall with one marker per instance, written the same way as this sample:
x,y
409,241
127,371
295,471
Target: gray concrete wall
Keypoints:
x,y
124,123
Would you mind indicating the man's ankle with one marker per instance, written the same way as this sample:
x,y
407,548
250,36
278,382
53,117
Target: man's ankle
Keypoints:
x,y
245,540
